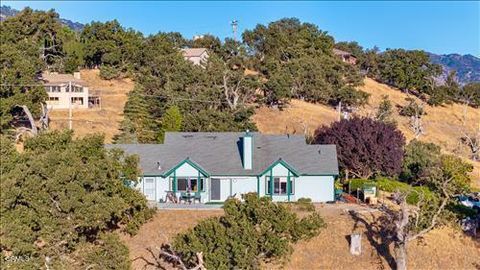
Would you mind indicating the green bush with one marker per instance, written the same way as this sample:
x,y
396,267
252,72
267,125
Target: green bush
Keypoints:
x,y
390,185
358,183
250,232
305,204
110,253
416,194
109,72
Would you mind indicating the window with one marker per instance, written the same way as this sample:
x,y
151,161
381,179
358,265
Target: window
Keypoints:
x,y
188,184
53,89
193,185
77,89
53,100
280,185
77,100
182,184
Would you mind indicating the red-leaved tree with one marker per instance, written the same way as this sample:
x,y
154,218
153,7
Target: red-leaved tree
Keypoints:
x,y
365,147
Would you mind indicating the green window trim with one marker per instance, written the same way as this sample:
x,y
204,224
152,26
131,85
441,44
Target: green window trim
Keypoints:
x,y
200,183
270,185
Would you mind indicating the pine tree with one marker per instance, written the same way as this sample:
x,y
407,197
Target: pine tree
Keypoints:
x,y
385,111
171,121
138,126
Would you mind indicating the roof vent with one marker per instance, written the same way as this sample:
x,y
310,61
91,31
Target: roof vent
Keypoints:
x,y
158,165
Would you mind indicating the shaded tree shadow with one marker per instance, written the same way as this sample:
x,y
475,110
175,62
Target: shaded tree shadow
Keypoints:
x,y
379,235
162,258
157,263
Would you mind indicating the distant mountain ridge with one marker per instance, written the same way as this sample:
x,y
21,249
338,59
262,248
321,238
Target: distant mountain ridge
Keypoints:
x,y
467,66
6,12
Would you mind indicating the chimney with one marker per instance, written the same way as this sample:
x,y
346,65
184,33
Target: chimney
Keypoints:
x,y
247,150
76,75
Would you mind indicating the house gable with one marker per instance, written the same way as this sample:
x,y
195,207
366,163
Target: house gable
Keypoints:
x,y
280,168
186,168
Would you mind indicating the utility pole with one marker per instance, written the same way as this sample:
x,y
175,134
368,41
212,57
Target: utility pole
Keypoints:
x,y
234,25
70,105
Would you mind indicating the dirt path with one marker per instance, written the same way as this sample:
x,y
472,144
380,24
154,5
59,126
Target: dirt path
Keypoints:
x,y
441,249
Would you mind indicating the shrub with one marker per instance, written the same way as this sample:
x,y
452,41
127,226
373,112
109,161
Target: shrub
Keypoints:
x,y
414,194
419,158
109,72
412,108
418,193
251,231
110,253
305,204
358,183
390,185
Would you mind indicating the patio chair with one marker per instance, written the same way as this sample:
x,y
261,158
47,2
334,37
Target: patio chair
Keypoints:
x,y
183,196
197,197
171,197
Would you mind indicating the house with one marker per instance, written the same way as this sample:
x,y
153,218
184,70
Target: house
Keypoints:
x,y
346,56
218,165
195,55
65,90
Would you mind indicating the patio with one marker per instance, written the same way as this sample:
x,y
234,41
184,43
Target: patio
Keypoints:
x,y
185,206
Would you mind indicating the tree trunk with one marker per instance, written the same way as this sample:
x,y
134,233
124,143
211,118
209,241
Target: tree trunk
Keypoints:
x,y
30,118
401,256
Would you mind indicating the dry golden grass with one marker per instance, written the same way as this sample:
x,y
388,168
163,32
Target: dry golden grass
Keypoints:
x,y
299,117
443,248
160,230
104,120
443,124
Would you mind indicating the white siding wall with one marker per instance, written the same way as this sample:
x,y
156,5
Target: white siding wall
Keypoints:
x,y
279,170
317,188
162,186
63,99
224,188
186,170
241,185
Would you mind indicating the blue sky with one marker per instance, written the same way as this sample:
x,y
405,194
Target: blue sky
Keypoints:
x,y
438,27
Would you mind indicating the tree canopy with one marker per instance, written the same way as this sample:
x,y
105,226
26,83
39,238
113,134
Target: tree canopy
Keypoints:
x,y
64,195
365,147
250,232
297,60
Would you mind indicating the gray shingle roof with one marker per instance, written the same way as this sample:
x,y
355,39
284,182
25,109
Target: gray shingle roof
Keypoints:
x,y
219,153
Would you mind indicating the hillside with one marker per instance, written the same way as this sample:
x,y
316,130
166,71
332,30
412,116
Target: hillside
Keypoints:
x,y
443,248
443,124
106,119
